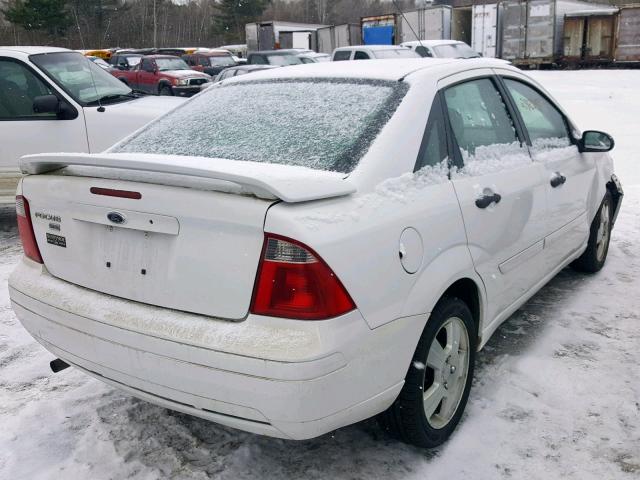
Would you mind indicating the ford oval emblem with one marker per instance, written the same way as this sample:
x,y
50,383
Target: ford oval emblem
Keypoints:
x,y
116,218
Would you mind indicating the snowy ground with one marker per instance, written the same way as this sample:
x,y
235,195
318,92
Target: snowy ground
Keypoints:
x,y
557,390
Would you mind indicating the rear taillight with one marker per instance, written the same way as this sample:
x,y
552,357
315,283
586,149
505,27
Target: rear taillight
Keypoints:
x,y
25,227
294,282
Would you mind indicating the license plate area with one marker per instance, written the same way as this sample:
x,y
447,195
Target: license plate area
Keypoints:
x,y
127,253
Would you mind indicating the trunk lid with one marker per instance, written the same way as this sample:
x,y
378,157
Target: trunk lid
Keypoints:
x,y
187,243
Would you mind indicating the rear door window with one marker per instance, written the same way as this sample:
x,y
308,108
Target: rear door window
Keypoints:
x,y
341,55
423,51
433,150
360,55
483,129
258,60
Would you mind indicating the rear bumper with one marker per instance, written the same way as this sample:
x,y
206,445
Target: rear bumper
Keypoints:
x,y
275,377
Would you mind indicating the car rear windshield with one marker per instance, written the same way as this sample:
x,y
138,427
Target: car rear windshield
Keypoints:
x,y
325,124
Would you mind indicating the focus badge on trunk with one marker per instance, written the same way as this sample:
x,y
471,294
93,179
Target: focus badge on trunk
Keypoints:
x,y
116,218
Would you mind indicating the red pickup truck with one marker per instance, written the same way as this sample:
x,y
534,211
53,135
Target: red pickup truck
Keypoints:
x,y
163,75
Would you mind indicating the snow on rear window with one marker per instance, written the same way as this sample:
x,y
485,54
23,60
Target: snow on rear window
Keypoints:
x,y
323,124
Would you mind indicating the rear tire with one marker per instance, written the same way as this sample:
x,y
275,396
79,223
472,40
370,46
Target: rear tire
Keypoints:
x,y
594,257
166,91
437,384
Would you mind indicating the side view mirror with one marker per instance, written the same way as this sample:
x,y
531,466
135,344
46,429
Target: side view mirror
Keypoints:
x,y
46,104
122,66
51,104
595,141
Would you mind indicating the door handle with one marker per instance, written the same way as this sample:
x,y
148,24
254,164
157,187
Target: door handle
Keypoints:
x,y
485,200
557,179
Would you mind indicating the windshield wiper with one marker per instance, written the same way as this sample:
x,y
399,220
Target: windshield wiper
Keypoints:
x,y
116,96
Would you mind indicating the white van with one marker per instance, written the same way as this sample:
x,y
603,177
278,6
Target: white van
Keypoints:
x,y
54,100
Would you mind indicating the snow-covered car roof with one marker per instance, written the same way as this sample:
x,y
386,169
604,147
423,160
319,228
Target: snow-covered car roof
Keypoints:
x,y
392,70
370,47
431,43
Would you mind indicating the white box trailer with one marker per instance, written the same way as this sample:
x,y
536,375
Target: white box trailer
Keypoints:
x,y
266,35
335,36
532,30
433,23
485,30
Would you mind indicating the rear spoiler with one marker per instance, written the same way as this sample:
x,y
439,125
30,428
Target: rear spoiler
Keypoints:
x,y
288,183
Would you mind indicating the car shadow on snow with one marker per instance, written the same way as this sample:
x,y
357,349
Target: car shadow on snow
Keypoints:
x,y
182,446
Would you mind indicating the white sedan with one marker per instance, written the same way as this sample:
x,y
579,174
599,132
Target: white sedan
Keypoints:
x,y
337,245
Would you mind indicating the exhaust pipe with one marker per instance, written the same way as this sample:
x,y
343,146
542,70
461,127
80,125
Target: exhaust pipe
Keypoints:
x,y
58,365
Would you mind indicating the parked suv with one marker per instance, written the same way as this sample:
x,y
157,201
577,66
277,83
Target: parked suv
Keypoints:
x,y
163,75
336,261
368,52
211,62
441,49
53,100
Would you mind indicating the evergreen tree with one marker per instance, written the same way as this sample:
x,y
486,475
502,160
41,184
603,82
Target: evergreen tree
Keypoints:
x,y
232,15
50,16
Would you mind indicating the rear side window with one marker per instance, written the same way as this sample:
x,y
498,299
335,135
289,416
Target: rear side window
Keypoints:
x,y
341,55
433,149
478,116
361,56
325,124
423,51
541,119
257,60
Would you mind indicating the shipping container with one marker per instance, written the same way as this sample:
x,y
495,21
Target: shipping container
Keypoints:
x,y
485,30
461,24
533,30
627,48
433,23
266,35
588,38
330,38
380,30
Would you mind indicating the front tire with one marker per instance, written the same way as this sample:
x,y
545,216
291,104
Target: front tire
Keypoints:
x,y
166,91
437,384
593,258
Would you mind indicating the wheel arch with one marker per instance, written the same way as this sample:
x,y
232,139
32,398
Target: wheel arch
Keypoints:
x,y
616,195
456,276
468,291
162,84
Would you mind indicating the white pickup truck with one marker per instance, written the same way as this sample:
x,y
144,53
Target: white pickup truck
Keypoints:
x,y
55,100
